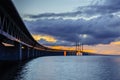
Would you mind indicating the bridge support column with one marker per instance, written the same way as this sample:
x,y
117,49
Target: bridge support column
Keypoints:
x,y
32,53
28,53
20,51
78,53
65,53
25,52
16,52
37,52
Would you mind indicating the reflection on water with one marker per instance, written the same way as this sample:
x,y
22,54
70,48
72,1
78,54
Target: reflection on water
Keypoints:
x,y
71,68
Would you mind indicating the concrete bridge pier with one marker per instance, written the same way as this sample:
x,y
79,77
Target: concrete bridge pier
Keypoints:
x,y
30,54
22,51
33,53
25,52
16,52
65,53
37,53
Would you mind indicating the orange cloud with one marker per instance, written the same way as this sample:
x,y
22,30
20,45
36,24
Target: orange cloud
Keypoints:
x,y
108,49
73,48
116,43
45,37
62,47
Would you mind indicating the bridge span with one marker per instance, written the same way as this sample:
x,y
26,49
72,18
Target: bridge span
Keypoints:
x,y
16,42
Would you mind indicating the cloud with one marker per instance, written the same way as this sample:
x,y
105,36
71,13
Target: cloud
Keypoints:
x,y
115,43
45,15
97,7
47,38
101,30
105,7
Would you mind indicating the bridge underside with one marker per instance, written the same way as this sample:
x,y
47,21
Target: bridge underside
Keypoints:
x,y
12,50
16,43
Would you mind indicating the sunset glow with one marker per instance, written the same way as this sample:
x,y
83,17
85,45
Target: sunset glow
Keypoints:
x,y
45,37
94,23
109,49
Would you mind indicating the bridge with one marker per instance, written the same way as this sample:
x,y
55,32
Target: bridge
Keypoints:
x,y
16,42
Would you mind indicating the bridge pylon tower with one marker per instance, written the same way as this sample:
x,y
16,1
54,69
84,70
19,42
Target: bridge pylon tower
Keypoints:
x,y
79,48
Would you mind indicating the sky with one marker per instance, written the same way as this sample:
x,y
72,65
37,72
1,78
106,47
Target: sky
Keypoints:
x,y
61,23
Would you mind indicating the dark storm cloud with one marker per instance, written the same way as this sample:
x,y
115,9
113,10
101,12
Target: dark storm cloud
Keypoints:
x,y
104,29
112,3
58,43
107,7
100,30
